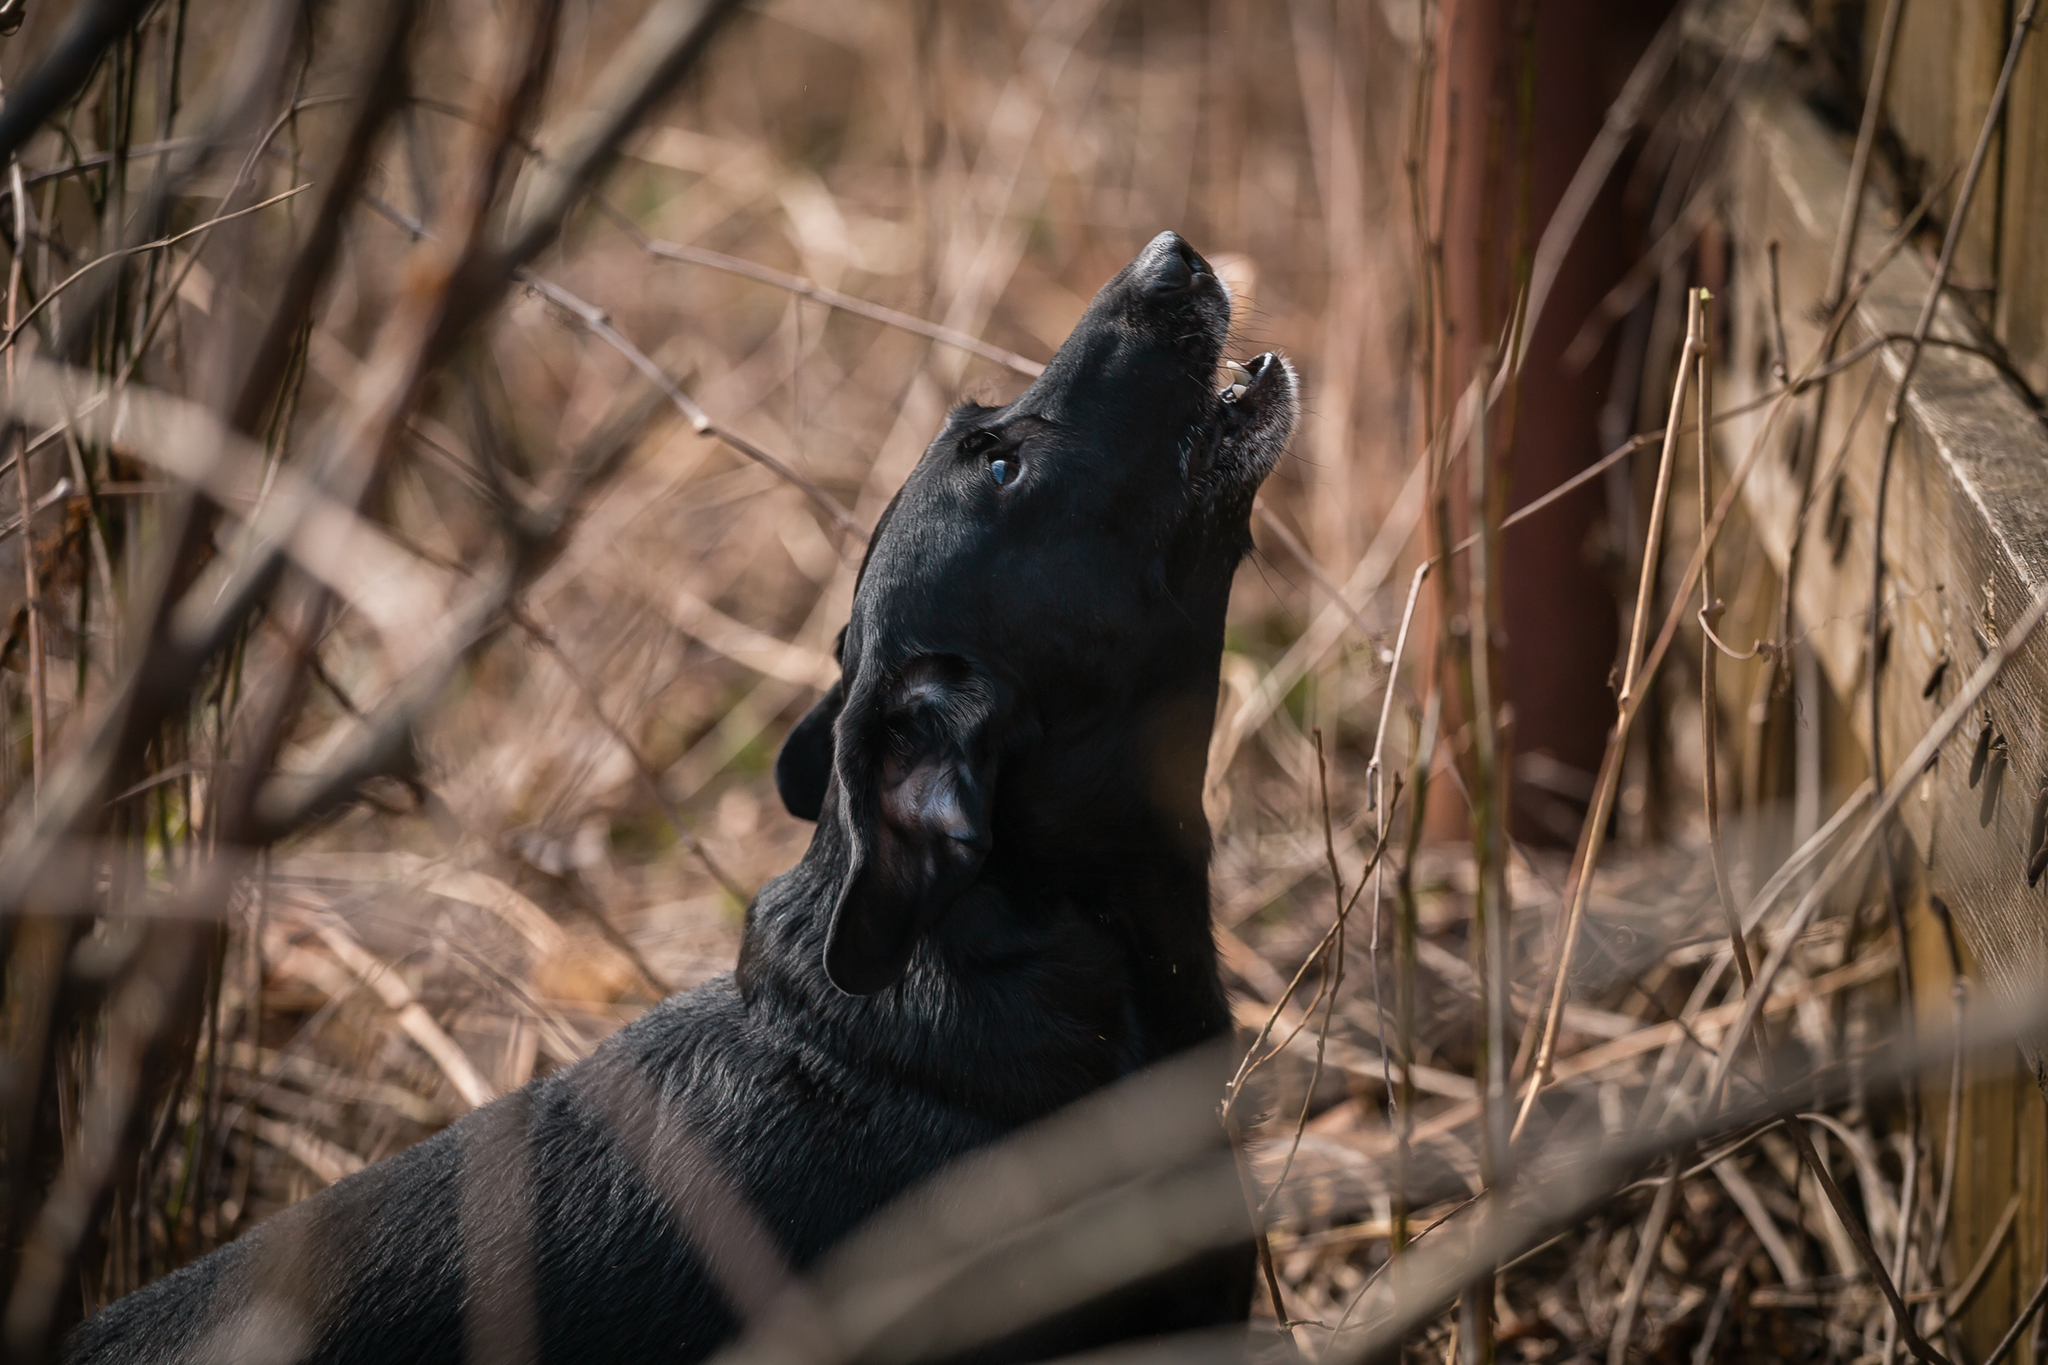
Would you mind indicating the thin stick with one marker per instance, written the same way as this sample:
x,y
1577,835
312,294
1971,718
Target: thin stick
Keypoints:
x,y
1781,357
1375,778
1859,1238
14,328
38,742
832,298
169,294
1333,971
1654,540
1408,933
1374,772
1654,1228
1260,1236
2019,1324
1859,162
601,327
1643,439
1710,701
1610,768
1251,1061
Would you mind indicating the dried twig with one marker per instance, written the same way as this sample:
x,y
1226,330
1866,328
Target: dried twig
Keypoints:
x,y
831,298
1627,704
14,329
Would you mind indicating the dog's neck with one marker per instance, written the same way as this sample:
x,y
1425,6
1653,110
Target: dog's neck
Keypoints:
x,y
1085,942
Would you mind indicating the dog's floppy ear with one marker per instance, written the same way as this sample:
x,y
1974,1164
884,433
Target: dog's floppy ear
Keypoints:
x,y
916,778
805,764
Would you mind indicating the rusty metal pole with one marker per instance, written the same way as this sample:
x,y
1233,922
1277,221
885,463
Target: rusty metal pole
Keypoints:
x,y
1521,92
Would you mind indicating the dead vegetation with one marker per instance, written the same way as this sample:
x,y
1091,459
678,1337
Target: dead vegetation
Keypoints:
x,y
540,366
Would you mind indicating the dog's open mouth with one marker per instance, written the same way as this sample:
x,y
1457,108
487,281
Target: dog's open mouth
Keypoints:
x,y
1254,416
1251,381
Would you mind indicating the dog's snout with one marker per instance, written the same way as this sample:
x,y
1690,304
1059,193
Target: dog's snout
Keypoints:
x,y
1170,266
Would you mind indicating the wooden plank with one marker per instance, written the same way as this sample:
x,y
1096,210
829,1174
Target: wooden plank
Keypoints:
x,y
1966,536
1967,543
2022,317
1945,65
2002,1152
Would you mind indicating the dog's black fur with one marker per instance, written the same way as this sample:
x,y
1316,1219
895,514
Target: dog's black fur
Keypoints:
x,y
1005,907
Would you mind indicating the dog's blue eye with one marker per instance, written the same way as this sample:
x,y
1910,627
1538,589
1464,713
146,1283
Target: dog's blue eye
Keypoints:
x,y
1002,471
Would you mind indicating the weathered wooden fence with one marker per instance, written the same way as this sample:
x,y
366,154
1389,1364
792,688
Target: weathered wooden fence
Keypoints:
x,y
1964,533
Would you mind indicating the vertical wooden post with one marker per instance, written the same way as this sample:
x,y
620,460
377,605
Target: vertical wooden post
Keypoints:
x,y
1522,92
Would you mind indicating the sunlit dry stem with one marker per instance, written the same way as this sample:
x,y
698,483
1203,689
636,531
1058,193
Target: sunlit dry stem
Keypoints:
x,y
1626,706
1594,830
1407,930
1240,1157
1653,542
1398,1099
1710,646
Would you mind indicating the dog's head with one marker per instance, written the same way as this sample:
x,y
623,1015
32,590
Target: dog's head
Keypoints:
x,y
1029,672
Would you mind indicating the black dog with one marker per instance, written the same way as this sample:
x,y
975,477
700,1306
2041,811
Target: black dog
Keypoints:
x,y
1004,908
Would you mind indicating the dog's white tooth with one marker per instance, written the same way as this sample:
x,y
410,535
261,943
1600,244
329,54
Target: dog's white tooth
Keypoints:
x,y
1239,375
1234,392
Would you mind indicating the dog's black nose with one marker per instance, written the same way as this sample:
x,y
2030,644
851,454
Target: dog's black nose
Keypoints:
x,y
1168,265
